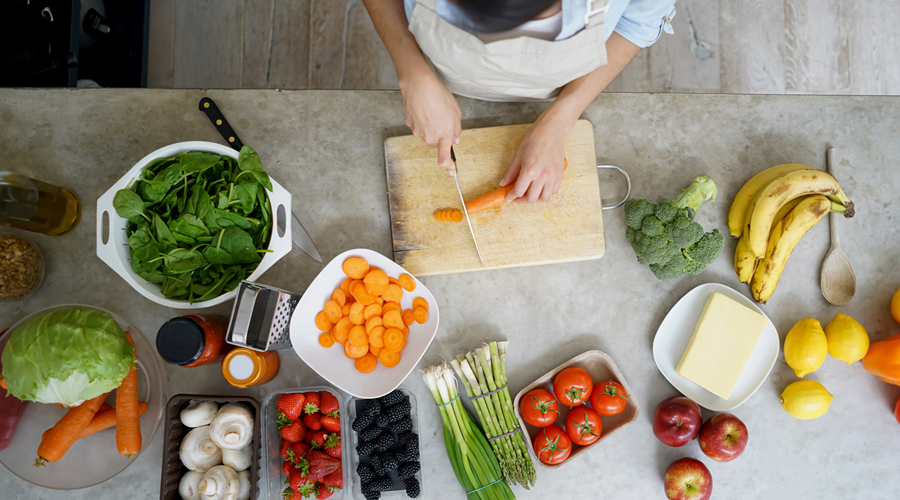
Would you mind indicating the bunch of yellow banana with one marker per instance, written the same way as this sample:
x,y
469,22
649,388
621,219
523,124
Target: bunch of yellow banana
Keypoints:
x,y
772,212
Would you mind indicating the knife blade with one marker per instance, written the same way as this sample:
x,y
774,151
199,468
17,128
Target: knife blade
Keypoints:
x,y
463,201
298,234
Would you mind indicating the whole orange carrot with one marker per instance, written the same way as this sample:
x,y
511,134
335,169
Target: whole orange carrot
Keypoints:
x,y
104,419
128,424
59,439
496,197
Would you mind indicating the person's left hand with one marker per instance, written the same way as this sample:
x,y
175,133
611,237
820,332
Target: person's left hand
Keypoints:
x,y
538,163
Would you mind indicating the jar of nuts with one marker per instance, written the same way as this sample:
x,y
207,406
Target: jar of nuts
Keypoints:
x,y
21,267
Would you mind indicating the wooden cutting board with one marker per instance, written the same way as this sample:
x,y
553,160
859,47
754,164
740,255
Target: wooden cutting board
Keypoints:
x,y
567,228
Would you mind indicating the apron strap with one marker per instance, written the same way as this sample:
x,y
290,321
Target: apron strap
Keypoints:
x,y
428,4
594,12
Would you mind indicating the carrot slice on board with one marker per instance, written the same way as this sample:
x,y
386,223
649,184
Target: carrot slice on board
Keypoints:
x,y
393,294
389,358
389,306
326,340
361,295
376,337
407,282
345,311
341,330
332,311
358,336
356,314
373,322
366,363
355,267
338,296
408,317
396,348
393,319
393,337
375,350
371,310
322,321
420,302
345,286
354,352
421,315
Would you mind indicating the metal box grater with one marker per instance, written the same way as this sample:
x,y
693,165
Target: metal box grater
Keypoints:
x,y
261,317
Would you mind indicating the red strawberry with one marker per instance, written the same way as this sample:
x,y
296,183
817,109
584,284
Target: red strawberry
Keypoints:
x,y
283,449
324,492
312,421
299,475
320,464
290,494
291,405
307,489
333,445
317,439
312,402
299,449
331,423
335,479
294,432
329,403
286,467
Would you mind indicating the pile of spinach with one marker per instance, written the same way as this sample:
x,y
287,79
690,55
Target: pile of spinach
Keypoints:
x,y
197,223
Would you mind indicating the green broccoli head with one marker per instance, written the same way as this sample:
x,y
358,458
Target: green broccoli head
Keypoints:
x,y
671,269
651,249
665,211
636,210
652,226
630,234
683,232
702,253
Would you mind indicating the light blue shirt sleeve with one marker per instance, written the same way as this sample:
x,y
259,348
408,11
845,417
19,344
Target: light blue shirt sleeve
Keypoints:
x,y
643,21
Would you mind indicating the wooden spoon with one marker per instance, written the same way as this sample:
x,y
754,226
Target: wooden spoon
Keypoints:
x,y
838,281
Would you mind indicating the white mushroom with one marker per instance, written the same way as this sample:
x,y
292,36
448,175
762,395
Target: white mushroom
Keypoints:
x,y
232,428
199,413
198,452
219,483
237,459
244,492
187,487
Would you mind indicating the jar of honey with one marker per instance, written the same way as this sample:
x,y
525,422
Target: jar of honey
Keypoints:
x,y
193,340
244,367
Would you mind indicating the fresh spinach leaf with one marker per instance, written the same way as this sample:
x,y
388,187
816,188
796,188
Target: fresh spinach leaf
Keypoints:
x,y
249,163
129,205
163,233
188,225
198,161
180,260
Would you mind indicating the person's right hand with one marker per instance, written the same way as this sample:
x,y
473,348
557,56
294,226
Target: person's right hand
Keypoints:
x,y
433,114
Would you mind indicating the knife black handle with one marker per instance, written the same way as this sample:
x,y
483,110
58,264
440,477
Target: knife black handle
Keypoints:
x,y
212,111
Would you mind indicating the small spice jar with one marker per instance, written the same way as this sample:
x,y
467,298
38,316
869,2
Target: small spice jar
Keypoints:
x,y
21,267
244,367
193,340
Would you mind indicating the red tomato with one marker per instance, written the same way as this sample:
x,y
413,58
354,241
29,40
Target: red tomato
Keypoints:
x,y
539,408
609,398
572,386
583,425
552,445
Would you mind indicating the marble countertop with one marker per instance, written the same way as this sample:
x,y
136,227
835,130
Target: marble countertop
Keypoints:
x,y
326,147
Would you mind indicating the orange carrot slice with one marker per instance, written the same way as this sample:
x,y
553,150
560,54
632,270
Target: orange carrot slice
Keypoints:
x,y
345,311
389,306
393,319
356,314
366,363
407,282
341,330
361,295
355,267
332,311
392,338
345,286
389,358
408,317
373,322
355,352
420,314
397,348
358,336
393,294
338,296
326,340
420,302
376,337
376,277
371,310
322,321
375,350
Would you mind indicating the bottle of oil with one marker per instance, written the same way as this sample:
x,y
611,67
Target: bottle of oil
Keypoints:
x,y
37,206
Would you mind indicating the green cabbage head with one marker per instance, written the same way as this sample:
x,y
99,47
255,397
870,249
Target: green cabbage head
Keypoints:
x,y
66,357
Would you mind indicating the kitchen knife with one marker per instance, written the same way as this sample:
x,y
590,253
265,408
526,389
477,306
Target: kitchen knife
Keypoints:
x,y
463,201
298,234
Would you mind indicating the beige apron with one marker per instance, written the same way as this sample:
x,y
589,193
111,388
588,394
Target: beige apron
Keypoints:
x,y
519,69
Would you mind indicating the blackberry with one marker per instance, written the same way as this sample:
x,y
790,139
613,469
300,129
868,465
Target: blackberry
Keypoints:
x,y
370,433
371,494
362,421
365,449
382,420
390,461
412,487
408,469
372,408
408,454
383,484
366,473
392,398
402,425
384,441
404,437
378,466
398,411
412,441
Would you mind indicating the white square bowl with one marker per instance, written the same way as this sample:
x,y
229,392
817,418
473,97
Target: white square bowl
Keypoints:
x,y
331,363
115,252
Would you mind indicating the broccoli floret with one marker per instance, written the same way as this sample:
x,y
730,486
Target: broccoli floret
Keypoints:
x,y
630,234
665,211
671,269
652,226
683,232
702,253
636,210
651,249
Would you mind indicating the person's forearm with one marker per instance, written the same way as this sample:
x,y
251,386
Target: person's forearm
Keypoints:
x,y
578,93
389,18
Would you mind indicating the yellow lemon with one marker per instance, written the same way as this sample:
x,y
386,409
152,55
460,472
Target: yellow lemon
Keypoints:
x,y
805,347
806,399
847,339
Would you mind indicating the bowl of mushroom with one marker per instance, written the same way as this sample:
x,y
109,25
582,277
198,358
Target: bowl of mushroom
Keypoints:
x,y
211,448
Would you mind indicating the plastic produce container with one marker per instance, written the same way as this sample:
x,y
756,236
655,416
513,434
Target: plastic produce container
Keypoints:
x,y
354,485
172,468
271,478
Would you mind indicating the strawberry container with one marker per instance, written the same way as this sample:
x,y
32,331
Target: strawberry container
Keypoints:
x,y
271,479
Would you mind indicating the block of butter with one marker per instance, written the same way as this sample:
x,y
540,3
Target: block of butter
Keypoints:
x,y
723,339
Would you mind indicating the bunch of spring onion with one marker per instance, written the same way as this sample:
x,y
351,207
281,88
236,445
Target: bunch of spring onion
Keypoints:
x,y
483,371
473,462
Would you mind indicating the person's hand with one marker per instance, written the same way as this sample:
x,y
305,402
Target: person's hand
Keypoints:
x,y
433,114
537,168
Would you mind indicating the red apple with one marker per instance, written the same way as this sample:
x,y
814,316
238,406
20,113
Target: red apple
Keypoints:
x,y
723,437
688,479
677,421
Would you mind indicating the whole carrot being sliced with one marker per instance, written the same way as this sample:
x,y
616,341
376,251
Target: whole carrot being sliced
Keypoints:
x,y
60,437
366,363
355,267
326,340
389,358
496,197
128,424
407,282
